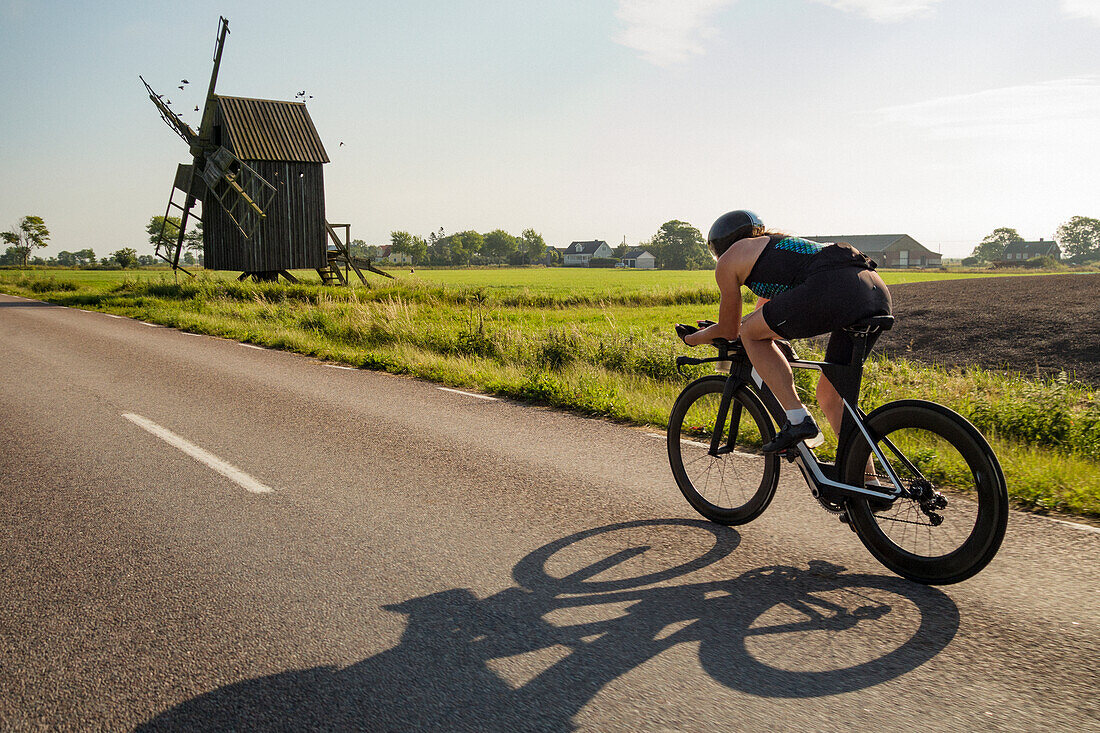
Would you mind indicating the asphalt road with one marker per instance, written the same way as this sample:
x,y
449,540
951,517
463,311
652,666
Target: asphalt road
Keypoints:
x,y
199,535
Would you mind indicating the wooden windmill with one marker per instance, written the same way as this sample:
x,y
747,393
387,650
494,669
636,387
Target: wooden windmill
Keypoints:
x,y
256,169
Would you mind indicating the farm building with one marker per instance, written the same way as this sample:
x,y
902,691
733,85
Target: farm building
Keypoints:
x,y
888,250
578,254
1024,251
639,258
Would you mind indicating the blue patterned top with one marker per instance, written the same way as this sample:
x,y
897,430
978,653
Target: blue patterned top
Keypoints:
x,y
777,268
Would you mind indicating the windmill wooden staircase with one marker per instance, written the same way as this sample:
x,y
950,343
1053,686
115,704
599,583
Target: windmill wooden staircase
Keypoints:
x,y
341,262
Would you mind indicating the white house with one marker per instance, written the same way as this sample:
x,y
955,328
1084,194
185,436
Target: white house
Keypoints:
x,y
640,259
577,254
386,252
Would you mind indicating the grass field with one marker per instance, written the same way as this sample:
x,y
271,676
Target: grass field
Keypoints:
x,y
595,341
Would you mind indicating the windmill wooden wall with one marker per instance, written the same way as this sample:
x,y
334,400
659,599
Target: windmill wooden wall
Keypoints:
x,y
278,140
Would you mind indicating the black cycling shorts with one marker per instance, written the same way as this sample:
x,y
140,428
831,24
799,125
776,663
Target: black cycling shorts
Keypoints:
x,y
826,302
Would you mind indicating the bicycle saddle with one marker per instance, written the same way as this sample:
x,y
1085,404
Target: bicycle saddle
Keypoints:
x,y
874,324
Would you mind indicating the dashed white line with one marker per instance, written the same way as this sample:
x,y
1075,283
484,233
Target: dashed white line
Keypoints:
x,y
154,325
111,315
697,444
251,346
210,460
339,366
469,394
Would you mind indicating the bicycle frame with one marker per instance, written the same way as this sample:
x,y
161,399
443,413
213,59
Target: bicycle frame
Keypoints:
x,y
846,378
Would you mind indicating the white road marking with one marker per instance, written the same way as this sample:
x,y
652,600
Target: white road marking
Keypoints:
x,y
251,346
704,446
469,394
111,315
154,325
338,366
231,472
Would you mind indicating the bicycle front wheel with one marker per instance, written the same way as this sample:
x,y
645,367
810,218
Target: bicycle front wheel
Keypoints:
x,y
956,521
736,485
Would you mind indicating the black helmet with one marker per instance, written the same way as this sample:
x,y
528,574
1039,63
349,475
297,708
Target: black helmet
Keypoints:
x,y
730,227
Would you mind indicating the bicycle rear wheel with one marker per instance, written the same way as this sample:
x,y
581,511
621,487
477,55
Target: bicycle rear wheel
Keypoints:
x,y
956,527
735,486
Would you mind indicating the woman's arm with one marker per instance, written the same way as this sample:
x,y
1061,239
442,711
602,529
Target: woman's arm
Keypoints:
x,y
729,307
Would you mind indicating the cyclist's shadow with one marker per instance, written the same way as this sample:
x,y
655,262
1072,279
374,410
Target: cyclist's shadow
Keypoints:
x,y
774,631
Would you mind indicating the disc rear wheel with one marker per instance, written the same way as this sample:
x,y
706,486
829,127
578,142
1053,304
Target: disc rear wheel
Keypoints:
x,y
952,523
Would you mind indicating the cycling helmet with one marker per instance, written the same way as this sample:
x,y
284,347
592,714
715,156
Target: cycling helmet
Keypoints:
x,y
730,227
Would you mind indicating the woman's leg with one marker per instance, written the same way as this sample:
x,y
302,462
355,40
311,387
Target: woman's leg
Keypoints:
x,y
759,341
829,401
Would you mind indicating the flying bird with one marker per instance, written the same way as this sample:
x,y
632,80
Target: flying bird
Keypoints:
x,y
184,81
341,144
181,86
196,108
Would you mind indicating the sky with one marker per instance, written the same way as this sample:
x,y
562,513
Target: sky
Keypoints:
x,y
581,119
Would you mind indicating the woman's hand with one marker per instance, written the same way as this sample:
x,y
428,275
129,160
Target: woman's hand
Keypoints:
x,y
684,331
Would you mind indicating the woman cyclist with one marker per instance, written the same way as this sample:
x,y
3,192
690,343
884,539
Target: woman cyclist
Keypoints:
x,y
806,289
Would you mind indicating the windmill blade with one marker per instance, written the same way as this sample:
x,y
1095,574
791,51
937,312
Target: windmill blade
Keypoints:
x,y
206,124
242,192
173,120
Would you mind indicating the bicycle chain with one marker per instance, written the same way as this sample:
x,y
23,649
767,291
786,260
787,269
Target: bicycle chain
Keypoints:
x,y
835,509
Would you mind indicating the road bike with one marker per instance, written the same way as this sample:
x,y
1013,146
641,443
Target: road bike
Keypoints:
x,y
916,481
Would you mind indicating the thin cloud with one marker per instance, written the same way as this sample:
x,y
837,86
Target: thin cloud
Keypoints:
x,y
1089,9
667,32
886,11
1009,111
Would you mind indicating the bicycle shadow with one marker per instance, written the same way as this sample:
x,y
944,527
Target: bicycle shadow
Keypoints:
x,y
773,631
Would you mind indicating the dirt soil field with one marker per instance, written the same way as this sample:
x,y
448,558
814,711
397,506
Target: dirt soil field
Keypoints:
x,y
1040,323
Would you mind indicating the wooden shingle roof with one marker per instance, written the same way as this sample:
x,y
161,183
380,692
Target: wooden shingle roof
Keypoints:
x,y
267,129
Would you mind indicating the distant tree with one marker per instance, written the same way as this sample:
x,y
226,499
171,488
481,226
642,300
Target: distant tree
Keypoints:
x,y
11,256
532,247
66,259
361,249
1079,238
621,250
192,240
29,233
146,260
189,258
464,246
680,246
160,229
85,257
992,248
125,257
499,245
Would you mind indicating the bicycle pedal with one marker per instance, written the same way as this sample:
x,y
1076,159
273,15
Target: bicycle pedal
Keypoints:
x,y
790,454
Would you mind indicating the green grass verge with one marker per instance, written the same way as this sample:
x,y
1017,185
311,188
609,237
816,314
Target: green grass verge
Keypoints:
x,y
594,349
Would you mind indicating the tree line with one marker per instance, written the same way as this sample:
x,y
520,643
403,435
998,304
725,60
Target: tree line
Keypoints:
x,y
676,246
1078,238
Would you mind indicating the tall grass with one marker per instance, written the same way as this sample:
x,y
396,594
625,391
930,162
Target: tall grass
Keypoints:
x,y
610,354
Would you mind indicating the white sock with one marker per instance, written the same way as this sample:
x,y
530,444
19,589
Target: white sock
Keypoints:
x,y
794,417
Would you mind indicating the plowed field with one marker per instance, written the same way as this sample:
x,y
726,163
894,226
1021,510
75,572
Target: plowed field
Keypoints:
x,y
1041,323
